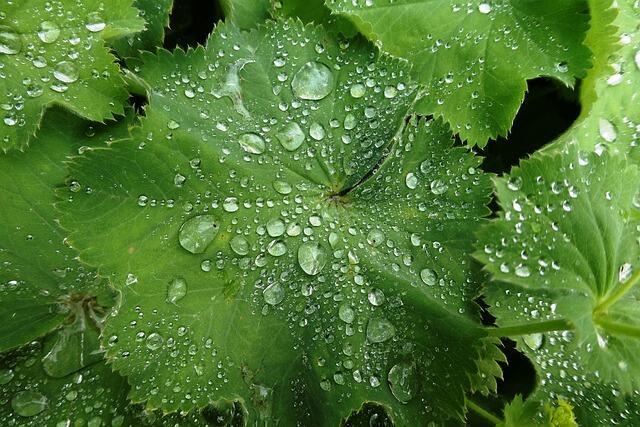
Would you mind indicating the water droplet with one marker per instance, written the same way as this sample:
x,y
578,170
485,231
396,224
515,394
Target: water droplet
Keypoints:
x,y
313,81
312,258
428,276
637,59
438,187
316,131
176,290
6,375
282,187
522,271
390,92
277,248
252,143
197,233
291,136
357,90
624,273
48,32
533,341
273,294
376,297
239,245
230,204
607,130
411,180
402,381
95,23
172,124
346,313
154,341
28,403
275,227
484,8
375,237
66,72
10,41
379,330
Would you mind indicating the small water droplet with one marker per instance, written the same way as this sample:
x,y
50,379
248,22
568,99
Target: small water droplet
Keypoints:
x,y
252,143
357,90
197,233
484,8
313,81
239,245
176,290
48,32
376,297
95,23
411,180
375,237
154,341
282,187
438,187
66,72
380,330
291,136
6,375
312,258
316,131
273,294
607,130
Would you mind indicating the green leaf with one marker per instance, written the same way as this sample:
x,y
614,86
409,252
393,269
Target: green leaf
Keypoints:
x,y
609,96
474,58
564,259
40,273
531,413
316,11
52,52
282,237
156,14
246,14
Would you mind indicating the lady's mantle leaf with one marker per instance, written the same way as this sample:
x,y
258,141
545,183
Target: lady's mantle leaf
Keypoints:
x,y
52,52
156,14
474,57
275,244
566,247
40,276
246,14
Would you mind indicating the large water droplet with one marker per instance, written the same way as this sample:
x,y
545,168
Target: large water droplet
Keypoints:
x,y
607,130
357,90
316,131
402,381
291,136
28,403
48,32
438,187
313,81
428,276
379,330
484,8
376,297
10,40
312,258
273,294
95,23
66,72
375,237
533,341
6,375
346,313
154,341
252,143
239,245
176,290
411,180
197,233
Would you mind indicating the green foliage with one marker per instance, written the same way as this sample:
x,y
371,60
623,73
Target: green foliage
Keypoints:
x,y
287,225
474,58
60,58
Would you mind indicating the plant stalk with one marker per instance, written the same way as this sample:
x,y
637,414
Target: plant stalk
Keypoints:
x,y
473,406
530,328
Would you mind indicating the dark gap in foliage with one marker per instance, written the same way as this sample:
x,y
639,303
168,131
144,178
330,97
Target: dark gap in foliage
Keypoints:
x,y
191,22
138,102
519,375
548,110
370,415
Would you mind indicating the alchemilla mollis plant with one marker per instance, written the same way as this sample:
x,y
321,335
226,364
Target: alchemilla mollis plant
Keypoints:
x,y
297,219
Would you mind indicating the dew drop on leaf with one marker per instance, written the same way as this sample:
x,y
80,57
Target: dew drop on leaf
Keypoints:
x,y
282,187
176,290
313,81
402,381
48,32
428,276
291,136
484,8
375,237
239,245
312,258
376,297
154,341
346,313
6,375
273,294
197,233
10,41
95,23
66,72
316,131
357,90
380,329
252,143
533,341
411,180
607,130
438,187
28,403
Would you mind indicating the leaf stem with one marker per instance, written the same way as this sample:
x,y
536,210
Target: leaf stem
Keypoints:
x,y
618,328
612,298
530,328
482,412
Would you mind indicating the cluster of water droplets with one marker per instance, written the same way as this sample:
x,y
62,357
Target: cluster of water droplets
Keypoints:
x,y
48,61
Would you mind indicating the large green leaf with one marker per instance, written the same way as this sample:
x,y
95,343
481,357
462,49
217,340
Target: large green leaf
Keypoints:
x,y
40,276
283,237
564,256
156,14
474,58
52,52
246,14
315,11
